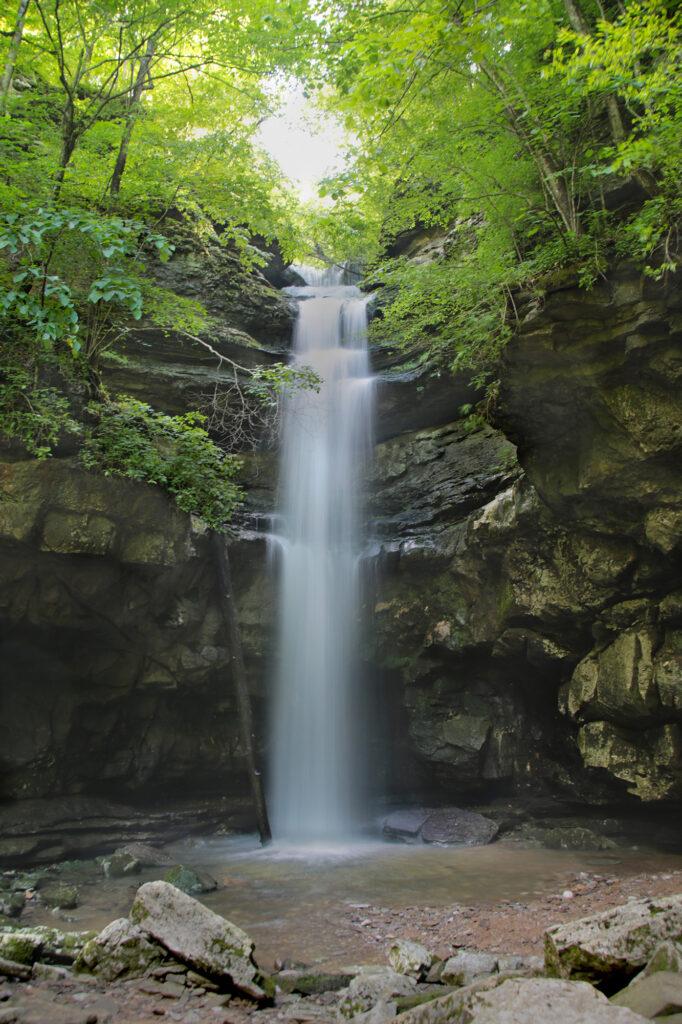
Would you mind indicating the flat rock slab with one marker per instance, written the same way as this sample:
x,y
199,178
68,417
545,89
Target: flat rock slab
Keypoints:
x,y
196,936
452,826
657,995
614,942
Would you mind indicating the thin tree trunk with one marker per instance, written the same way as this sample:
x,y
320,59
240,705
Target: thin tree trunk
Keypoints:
x,y
131,116
243,697
550,172
11,61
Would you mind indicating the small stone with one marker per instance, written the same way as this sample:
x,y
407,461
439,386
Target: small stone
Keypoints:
x,y
369,989
407,957
50,972
466,966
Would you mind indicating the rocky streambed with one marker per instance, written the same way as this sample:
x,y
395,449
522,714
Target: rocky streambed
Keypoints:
x,y
172,957
504,932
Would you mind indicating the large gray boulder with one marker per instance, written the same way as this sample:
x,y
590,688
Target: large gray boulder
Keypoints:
x,y
614,942
195,935
453,826
497,1000
519,1001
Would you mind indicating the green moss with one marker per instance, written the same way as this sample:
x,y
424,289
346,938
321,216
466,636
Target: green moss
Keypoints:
x,y
20,949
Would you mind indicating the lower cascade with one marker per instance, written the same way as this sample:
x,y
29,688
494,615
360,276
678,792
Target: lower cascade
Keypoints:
x,y
316,762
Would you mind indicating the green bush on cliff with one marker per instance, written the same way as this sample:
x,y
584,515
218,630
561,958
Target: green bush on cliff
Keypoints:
x,y
129,439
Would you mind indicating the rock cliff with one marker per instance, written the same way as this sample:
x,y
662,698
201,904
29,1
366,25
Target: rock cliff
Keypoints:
x,y
525,617
528,607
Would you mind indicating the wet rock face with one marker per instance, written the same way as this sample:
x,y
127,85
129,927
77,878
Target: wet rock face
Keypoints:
x,y
591,395
112,644
527,612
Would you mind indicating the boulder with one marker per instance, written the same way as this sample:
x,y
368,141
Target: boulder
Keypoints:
x,y
195,935
407,957
119,864
520,1000
467,966
452,826
120,950
60,896
190,881
615,942
368,990
656,995
405,825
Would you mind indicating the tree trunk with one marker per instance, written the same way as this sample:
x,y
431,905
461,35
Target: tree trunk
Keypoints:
x,y
10,63
576,17
550,172
142,75
239,676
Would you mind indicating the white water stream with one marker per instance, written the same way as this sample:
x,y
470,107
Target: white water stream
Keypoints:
x,y
315,769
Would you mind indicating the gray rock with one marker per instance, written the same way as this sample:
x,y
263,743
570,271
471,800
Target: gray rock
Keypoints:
x,y
12,904
120,864
49,945
523,964
405,825
620,941
12,969
368,989
190,881
60,896
656,995
467,966
120,950
407,957
518,1001
147,856
309,982
666,957
196,936
452,826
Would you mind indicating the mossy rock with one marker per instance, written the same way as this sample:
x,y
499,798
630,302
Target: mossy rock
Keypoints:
x,y
60,896
190,881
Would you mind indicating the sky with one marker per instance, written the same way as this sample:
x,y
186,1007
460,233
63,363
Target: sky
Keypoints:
x,y
307,145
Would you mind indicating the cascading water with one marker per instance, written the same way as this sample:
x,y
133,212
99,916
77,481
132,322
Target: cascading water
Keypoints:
x,y
317,752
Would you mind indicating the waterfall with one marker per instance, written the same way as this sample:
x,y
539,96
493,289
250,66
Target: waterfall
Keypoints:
x,y
315,767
